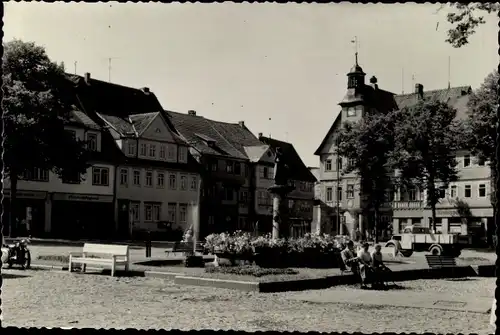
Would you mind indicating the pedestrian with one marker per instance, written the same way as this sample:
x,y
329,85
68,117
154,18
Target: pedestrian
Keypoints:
x,y
28,228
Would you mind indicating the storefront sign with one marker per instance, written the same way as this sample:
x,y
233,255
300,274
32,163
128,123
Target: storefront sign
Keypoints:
x,y
27,194
83,197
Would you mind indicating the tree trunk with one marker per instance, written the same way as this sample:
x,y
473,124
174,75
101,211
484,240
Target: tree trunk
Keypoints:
x,y
375,224
433,209
13,205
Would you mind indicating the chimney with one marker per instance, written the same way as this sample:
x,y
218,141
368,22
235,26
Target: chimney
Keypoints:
x,y
241,123
145,90
419,89
87,78
192,112
260,135
373,82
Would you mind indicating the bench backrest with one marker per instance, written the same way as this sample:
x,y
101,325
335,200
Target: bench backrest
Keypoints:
x,y
440,261
106,249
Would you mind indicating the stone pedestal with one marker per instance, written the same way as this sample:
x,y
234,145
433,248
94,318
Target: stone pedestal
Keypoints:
x,y
279,193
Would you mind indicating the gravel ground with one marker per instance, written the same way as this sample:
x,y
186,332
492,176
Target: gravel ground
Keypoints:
x,y
57,299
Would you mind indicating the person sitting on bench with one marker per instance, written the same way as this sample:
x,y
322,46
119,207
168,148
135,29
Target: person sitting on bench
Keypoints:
x,y
379,266
349,258
365,269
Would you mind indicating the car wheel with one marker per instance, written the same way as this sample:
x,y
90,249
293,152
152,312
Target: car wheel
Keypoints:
x,y
407,253
436,251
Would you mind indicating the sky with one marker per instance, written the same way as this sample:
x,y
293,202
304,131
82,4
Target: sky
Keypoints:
x,y
281,68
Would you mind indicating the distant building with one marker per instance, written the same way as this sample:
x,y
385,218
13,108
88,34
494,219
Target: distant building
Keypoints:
x,y
403,207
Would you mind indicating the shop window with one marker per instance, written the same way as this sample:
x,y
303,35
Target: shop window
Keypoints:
x,y
148,212
100,176
156,212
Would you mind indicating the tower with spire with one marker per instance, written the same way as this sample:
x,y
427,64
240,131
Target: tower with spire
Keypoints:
x,y
356,76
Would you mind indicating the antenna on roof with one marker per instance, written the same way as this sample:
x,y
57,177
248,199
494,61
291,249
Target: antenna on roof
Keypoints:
x,y
412,80
449,62
75,65
109,67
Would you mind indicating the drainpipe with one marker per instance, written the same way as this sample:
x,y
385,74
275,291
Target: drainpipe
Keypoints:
x,y
115,198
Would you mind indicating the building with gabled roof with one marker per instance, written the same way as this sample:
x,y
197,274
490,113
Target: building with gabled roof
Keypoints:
x,y
404,207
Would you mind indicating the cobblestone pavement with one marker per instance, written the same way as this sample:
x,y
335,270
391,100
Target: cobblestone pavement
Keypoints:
x,y
60,299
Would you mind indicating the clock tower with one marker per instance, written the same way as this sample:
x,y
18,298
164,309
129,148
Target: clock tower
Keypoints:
x,y
352,104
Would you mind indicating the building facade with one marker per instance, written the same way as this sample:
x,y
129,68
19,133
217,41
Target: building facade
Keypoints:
x,y
71,207
403,206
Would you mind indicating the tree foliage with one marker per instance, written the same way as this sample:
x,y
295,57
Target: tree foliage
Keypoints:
x,y
466,20
426,138
36,110
367,145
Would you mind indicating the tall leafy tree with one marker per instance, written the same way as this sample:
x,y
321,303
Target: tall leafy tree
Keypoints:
x,y
466,18
367,144
36,110
481,130
426,138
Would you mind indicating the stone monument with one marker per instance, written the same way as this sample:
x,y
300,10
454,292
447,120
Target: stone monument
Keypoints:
x,y
279,191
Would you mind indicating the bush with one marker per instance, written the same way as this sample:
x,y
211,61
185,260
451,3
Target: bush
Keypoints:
x,y
254,271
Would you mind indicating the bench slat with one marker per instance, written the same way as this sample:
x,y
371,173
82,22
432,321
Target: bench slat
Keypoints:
x,y
112,249
439,261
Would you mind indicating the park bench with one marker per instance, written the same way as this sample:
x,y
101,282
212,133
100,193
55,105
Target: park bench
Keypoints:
x,y
186,247
109,255
440,261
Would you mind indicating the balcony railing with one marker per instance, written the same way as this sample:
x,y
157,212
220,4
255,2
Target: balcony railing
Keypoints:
x,y
407,204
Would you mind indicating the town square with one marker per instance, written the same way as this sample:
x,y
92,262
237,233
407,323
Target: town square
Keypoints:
x,y
255,167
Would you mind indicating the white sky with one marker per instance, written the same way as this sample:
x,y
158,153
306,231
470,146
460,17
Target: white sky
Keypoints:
x,y
252,62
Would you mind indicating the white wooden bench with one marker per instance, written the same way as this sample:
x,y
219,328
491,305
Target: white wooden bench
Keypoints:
x,y
109,255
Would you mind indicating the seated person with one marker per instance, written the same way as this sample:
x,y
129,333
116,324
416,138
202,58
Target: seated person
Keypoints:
x,y
378,264
349,257
365,268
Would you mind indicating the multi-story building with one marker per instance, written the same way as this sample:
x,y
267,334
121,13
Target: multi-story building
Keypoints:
x,y
220,149
408,206
301,199
156,182
71,206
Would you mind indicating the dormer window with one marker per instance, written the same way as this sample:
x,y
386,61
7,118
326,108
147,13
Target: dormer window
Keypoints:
x,y
131,148
92,142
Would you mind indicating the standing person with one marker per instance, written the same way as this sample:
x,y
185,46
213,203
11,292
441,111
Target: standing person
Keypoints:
x,y
28,228
365,260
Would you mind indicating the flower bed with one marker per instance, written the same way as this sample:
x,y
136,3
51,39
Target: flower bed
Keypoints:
x,y
312,250
254,271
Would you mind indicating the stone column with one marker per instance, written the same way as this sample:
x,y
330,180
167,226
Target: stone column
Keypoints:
x,y
276,215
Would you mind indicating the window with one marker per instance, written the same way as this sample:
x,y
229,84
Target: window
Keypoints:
x,y
213,166
160,179
482,190
328,165
36,175
171,151
182,213
172,181
149,178
263,198
182,154
339,193
329,194
156,212
162,151
339,163
131,148
171,212
148,212
480,161
264,172
194,183
228,194
92,142
350,192
442,193
291,203
237,168
412,194
243,197
229,166
137,177
152,150
351,111
100,176
144,149
453,192
466,160
467,191
351,162
123,176
183,183
71,178
135,211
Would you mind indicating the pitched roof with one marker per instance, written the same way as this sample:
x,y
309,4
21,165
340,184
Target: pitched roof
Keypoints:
x,y
141,122
78,117
299,169
456,97
213,137
254,153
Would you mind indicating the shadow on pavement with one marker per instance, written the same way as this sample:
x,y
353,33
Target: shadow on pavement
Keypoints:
x,y
13,275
